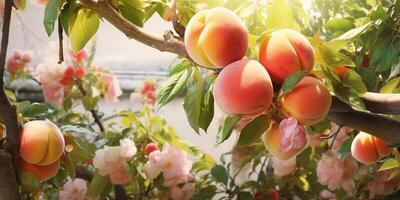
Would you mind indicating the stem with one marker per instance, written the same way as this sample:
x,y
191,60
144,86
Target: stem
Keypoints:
x,y
60,43
94,113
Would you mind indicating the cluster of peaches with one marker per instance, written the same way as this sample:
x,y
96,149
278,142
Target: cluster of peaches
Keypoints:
x,y
41,147
217,38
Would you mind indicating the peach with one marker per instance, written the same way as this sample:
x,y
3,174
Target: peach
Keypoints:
x,y
368,149
243,87
42,173
41,143
272,142
216,37
308,102
284,52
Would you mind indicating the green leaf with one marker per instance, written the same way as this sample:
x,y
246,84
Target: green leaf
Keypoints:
x,y
245,196
220,174
339,25
355,81
66,13
291,81
70,167
280,15
82,28
90,103
352,33
50,15
329,56
343,92
383,54
378,13
393,86
204,163
172,87
97,185
226,127
368,76
345,148
389,164
193,102
134,14
29,182
37,110
207,109
206,193
251,132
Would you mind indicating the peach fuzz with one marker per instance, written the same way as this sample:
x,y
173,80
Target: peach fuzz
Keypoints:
x,y
271,139
308,102
284,52
368,149
41,143
243,87
42,173
216,37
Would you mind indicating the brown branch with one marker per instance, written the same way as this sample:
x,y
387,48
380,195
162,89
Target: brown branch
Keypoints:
x,y
105,10
382,103
8,160
60,43
8,181
374,124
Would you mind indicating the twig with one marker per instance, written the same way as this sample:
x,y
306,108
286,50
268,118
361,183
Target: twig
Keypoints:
x,y
94,113
120,193
60,43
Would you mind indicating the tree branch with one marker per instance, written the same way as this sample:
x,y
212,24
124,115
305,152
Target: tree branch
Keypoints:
x,y
8,181
8,160
105,10
382,103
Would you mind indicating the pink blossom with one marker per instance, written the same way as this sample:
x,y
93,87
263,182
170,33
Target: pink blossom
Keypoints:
x,y
184,192
172,162
341,136
283,167
293,135
50,75
336,173
2,4
113,91
18,60
80,56
380,185
111,161
152,170
73,190
327,194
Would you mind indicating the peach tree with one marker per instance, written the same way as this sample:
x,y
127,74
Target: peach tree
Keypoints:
x,y
308,91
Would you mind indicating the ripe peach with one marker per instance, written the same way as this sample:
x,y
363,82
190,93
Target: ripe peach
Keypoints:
x,y
216,37
284,52
368,149
42,142
43,173
272,141
243,87
308,102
